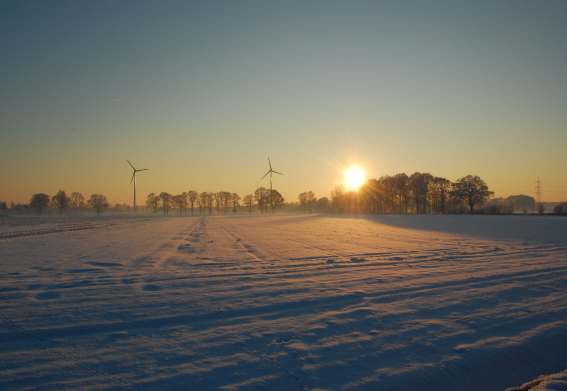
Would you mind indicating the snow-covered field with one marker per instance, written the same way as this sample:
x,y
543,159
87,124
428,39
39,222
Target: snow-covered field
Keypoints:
x,y
285,303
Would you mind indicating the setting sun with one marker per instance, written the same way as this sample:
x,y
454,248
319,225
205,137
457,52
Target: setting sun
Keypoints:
x,y
354,177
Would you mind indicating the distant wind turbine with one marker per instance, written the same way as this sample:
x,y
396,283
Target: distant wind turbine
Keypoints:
x,y
270,172
133,180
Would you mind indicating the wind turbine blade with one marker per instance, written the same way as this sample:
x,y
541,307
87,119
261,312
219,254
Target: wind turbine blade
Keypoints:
x,y
133,175
131,165
266,174
270,163
143,169
277,172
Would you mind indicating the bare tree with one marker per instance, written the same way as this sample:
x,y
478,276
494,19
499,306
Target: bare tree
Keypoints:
x,y
338,199
249,202
418,184
372,196
323,204
77,200
98,202
439,192
152,202
180,202
276,199
262,197
39,202
60,201
307,199
166,202
204,202
218,200
401,186
472,190
235,198
192,197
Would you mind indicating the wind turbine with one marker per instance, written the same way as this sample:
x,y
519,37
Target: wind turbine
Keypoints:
x,y
270,172
134,172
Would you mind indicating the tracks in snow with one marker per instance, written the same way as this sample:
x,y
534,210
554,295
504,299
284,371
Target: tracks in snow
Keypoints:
x,y
228,304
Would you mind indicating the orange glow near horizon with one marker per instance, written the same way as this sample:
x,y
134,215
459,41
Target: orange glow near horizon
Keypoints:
x,y
354,177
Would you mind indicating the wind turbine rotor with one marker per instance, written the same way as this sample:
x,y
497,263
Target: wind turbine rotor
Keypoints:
x,y
266,174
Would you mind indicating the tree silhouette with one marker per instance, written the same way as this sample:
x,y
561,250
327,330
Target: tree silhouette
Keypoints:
x,y
60,201
192,197
180,202
152,202
338,198
235,198
39,202
166,202
276,199
323,204
390,195
206,202
249,202
401,187
185,202
421,192
77,200
372,196
202,202
262,198
98,202
419,185
472,190
225,200
439,192
307,199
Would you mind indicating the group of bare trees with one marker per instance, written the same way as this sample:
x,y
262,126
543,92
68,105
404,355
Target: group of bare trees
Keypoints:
x,y
61,202
213,202
419,193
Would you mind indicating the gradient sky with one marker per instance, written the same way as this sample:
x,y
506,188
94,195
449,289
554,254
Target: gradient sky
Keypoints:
x,y
201,92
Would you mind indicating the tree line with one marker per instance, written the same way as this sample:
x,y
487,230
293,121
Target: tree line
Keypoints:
x,y
219,202
183,204
419,193
61,202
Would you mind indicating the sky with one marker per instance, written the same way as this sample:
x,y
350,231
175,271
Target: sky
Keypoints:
x,y
202,92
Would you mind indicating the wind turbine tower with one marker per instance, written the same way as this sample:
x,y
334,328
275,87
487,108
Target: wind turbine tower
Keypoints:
x,y
270,172
133,180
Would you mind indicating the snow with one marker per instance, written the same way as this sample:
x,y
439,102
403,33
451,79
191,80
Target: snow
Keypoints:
x,y
553,382
301,302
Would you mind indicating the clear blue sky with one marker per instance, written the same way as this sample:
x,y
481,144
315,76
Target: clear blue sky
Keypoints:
x,y
202,92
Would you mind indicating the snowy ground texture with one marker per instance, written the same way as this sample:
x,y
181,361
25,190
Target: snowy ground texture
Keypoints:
x,y
554,382
286,303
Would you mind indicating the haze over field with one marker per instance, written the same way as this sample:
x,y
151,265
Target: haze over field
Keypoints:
x,y
201,92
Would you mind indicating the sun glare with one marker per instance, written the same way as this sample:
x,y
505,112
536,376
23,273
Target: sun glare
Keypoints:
x,y
354,177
